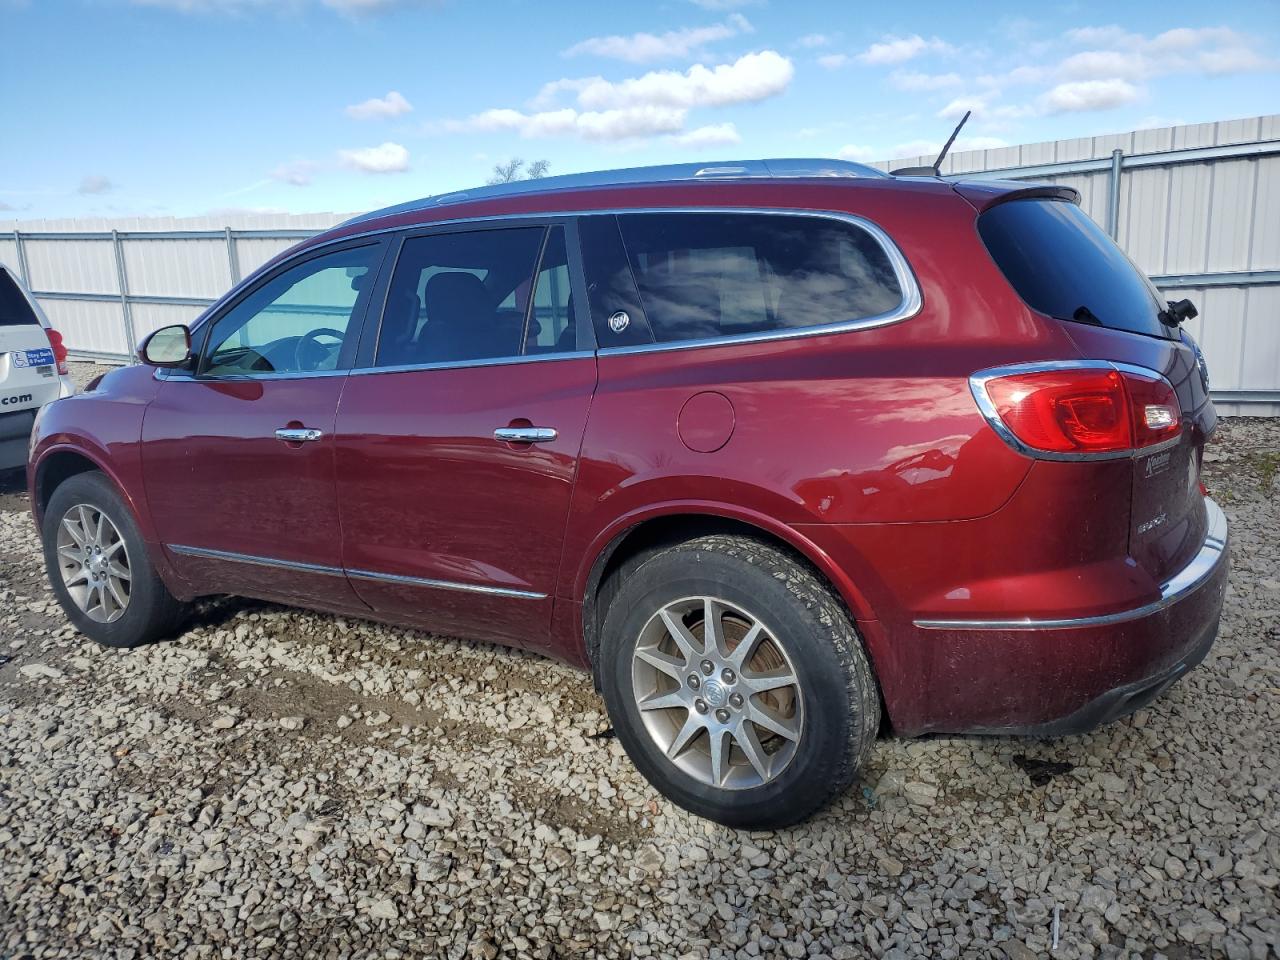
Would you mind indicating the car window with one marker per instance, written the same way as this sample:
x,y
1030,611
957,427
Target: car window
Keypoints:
x,y
551,328
296,322
456,297
707,275
1064,265
14,309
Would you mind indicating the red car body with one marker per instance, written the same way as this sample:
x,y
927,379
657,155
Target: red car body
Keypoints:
x,y
994,590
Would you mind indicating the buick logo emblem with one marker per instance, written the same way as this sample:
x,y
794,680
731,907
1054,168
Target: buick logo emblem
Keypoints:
x,y
619,321
714,693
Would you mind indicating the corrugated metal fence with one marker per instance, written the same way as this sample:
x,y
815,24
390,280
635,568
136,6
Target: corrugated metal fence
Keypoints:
x,y
1198,208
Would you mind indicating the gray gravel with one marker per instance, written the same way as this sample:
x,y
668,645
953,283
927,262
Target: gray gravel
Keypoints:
x,y
286,784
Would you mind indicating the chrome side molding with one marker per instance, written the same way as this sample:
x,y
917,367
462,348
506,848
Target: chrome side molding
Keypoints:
x,y
1186,581
204,553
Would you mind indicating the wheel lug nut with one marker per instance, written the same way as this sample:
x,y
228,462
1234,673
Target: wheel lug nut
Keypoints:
x,y
694,682
708,667
700,705
735,700
727,675
722,715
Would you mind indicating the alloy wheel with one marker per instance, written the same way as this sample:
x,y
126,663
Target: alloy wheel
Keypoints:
x,y
718,693
94,563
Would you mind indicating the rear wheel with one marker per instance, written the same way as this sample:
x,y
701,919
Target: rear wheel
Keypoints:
x,y
99,567
736,682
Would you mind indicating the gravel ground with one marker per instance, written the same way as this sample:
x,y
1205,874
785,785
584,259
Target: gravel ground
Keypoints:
x,y
286,784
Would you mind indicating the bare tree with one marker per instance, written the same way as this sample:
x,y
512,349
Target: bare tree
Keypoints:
x,y
514,169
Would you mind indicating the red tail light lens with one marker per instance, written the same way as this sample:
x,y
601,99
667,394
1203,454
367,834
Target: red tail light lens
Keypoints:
x,y
59,349
1082,411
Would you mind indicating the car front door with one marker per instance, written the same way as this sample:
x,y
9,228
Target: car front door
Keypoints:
x,y
238,453
457,445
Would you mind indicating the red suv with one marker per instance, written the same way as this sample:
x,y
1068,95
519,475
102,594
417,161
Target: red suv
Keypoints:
x,y
783,452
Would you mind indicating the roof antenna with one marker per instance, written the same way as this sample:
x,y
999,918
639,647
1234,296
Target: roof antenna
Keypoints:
x,y
936,169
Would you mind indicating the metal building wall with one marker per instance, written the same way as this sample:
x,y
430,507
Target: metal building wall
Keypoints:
x,y
1204,226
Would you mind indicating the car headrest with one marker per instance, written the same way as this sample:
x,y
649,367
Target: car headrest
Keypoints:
x,y
456,297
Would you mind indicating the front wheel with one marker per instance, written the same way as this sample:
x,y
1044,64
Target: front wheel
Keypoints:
x,y
736,682
99,567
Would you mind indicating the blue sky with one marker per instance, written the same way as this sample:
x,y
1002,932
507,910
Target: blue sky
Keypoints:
x,y
183,107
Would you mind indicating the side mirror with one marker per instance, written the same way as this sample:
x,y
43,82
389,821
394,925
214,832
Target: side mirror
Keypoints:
x,y
167,347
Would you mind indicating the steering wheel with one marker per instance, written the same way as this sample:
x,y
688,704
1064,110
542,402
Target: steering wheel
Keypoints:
x,y
319,353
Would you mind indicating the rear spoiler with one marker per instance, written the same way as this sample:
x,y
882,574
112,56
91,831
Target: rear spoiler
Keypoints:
x,y
985,194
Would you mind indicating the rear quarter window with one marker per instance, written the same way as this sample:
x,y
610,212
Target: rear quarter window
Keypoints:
x,y
14,309
1064,265
712,275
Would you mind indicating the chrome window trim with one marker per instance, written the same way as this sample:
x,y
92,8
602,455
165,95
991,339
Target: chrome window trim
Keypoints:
x,y
911,303
1186,581
464,364
978,387
174,374
205,553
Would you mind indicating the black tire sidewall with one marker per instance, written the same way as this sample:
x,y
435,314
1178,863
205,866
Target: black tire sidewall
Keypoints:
x,y
829,725
148,612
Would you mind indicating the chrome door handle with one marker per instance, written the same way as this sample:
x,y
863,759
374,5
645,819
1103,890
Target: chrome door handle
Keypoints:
x,y
298,434
525,434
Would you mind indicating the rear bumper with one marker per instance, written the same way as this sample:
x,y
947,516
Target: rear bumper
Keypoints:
x,y
1048,677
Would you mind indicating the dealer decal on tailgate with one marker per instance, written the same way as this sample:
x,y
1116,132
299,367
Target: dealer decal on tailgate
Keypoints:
x,y
33,358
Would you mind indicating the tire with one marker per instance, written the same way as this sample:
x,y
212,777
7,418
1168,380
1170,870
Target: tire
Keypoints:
x,y
149,610
832,707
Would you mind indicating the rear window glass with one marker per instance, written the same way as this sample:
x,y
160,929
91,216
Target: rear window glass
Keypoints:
x,y
14,309
716,275
1064,265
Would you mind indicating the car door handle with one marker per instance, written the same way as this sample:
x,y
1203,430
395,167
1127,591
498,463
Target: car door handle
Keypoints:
x,y
525,434
298,434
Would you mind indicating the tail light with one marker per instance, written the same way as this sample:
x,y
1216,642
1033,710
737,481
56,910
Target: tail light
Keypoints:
x,y
1077,410
59,349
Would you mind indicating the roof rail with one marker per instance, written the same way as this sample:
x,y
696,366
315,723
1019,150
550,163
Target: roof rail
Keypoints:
x,y
792,168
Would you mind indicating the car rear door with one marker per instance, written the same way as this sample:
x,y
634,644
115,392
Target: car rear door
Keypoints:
x,y
238,455
28,370
457,444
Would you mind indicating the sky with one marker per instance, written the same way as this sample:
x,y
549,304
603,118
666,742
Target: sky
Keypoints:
x,y
193,107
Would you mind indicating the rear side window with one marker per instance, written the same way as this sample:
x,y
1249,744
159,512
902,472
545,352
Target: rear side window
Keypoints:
x,y
1064,265
709,275
14,309
458,297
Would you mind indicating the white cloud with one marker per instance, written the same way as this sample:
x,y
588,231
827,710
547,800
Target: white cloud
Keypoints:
x,y
1235,60
853,151
1092,64
813,40
833,61
618,124
960,105
385,158
749,79
392,105
297,173
1089,95
901,49
713,135
95,185
674,44
924,82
